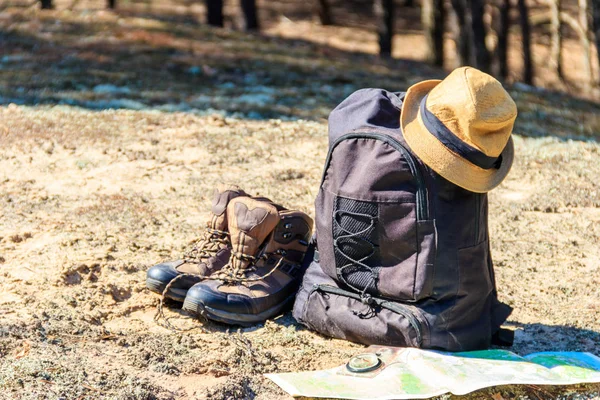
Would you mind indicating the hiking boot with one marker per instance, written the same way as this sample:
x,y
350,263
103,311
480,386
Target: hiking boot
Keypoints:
x,y
265,269
209,254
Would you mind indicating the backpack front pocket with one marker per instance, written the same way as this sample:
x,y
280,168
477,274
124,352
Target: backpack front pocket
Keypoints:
x,y
335,312
375,233
394,259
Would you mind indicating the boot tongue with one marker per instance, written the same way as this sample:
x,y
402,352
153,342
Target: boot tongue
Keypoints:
x,y
250,221
222,196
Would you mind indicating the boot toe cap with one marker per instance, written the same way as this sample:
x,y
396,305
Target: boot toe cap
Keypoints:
x,y
164,272
158,277
207,295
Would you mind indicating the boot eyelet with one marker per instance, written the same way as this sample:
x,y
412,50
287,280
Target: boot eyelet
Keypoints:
x,y
288,226
287,235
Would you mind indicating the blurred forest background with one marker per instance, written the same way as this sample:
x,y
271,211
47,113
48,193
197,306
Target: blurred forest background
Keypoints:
x,y
546,43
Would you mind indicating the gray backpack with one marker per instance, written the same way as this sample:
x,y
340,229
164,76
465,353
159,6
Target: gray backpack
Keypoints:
x,y
402,255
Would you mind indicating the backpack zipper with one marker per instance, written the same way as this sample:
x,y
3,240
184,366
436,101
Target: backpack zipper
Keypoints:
x,y
421,195
392,306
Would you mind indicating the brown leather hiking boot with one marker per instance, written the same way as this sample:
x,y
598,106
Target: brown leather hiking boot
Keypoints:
x,y
265,268
209,254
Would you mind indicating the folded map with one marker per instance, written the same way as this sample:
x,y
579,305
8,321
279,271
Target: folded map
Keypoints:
x,y
408,373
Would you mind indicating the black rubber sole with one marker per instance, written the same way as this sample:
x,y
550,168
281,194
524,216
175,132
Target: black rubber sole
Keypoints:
x,y
157,286
198,308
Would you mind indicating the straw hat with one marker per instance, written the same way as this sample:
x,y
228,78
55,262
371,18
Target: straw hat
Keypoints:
x,y
460,127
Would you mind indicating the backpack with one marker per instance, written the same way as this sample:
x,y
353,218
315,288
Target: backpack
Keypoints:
x,y
402,255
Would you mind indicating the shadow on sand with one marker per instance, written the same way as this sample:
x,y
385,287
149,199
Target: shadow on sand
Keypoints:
x,y
138,60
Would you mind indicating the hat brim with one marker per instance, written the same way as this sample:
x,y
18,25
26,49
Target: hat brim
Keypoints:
x,y
441,159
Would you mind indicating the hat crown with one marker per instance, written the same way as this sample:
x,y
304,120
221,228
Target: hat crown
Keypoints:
x,y
474,107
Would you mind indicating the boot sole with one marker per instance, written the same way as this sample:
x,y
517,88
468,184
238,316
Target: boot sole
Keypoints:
x,y
230,318
157,286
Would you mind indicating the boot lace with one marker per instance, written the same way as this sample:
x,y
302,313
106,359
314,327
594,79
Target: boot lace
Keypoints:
x,y
207,246
241,265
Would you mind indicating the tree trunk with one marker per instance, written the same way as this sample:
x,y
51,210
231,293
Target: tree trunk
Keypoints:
x,y
214,12
250,15
482,54
384,12
556,39
596,24
585,40
526,38
112,4
502,30
324,12
433,16
462,32
46,4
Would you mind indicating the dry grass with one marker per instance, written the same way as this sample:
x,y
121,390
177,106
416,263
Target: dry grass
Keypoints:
x,y
82,223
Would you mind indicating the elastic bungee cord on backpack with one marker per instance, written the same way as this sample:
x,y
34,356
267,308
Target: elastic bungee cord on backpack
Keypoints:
x,y
366,298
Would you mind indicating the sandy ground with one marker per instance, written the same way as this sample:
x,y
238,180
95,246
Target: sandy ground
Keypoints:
x,y
90,199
